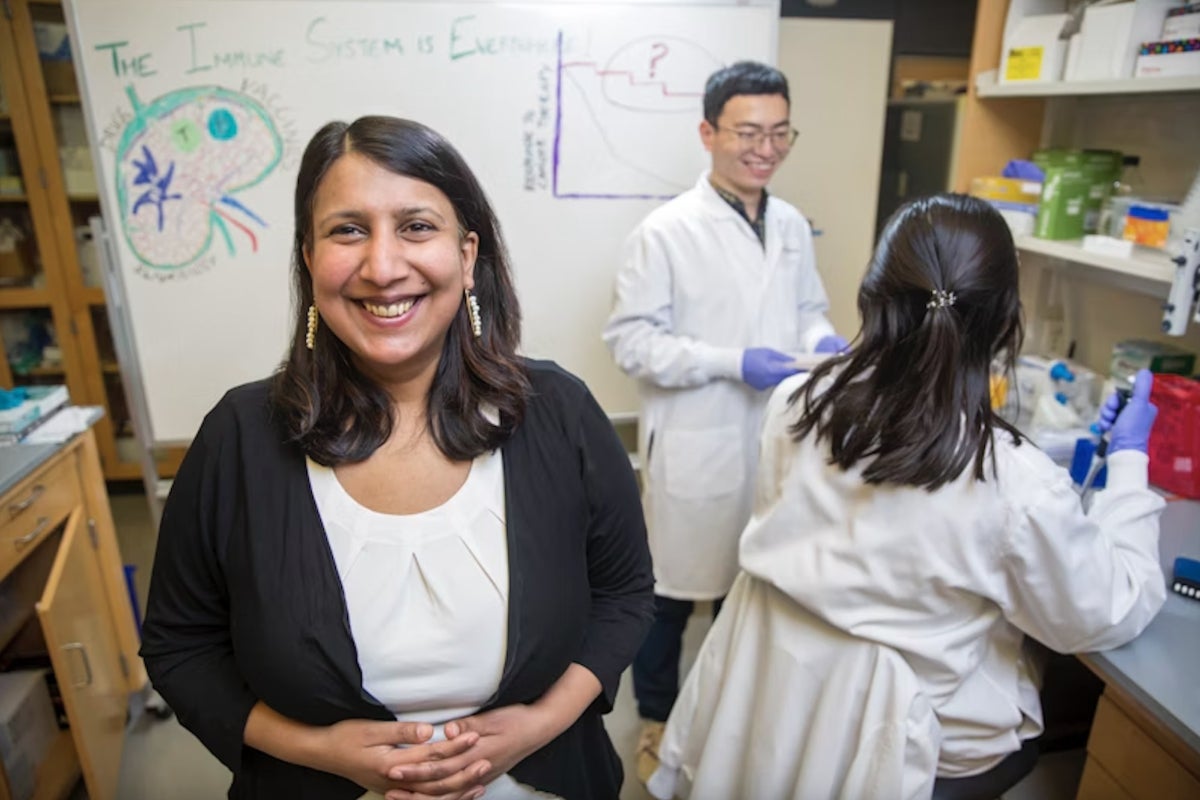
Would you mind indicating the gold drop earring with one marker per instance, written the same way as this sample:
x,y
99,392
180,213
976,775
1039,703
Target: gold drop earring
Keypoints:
x,y
310,335
473,313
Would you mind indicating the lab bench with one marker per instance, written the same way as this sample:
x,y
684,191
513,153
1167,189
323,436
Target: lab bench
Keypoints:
x,y
1145,737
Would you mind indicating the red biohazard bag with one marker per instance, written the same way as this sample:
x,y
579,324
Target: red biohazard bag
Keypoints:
x,y
1175,440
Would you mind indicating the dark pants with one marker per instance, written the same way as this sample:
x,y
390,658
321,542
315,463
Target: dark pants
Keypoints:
x,y
656,667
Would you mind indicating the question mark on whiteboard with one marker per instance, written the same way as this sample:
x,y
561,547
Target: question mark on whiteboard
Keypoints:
x,y
658,52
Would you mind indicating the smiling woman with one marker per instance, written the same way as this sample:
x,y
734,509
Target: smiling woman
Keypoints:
x,y
343,598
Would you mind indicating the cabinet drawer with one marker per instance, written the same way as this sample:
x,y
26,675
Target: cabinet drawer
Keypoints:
x,y
1134,760
34,509
1097,784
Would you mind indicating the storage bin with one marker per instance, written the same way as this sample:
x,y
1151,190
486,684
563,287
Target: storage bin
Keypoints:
x,y
1175,440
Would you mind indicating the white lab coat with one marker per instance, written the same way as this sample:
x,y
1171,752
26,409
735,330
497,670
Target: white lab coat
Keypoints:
x,y
776,707
954,579
695,290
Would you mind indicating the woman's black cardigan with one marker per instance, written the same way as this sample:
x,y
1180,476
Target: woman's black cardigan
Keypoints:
x,y
245,601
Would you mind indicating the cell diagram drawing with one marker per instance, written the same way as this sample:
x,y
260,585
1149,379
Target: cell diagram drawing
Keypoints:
x,y
626,124
180,166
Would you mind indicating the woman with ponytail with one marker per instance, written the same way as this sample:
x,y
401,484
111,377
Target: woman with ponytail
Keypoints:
x,y
905,541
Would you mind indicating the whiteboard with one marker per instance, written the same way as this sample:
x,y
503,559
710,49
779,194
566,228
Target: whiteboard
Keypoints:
x,y
578,119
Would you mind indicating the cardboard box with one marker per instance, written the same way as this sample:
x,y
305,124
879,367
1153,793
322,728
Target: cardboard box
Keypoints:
x,y
1181,23
78,174
1130,355
1033,51
16,253
1168,59
1006,190
28,727
1111,36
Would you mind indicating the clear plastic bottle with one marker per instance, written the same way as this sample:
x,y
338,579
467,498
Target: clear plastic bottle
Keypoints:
x,y
1128,186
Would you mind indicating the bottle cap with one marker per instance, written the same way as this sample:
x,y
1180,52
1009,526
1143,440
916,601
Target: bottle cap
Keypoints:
x,y
1149,213
1059,371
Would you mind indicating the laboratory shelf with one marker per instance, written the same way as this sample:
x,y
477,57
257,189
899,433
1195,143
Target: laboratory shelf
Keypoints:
x,y
1145,263
1185,83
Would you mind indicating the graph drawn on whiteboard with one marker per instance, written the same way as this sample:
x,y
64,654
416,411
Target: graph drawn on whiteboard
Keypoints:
x,y
180,165
621,121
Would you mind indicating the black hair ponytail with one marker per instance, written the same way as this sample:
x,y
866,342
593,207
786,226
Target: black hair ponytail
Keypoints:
x,y
939,304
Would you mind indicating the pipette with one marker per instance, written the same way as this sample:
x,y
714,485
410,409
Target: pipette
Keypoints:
x,y
1098,457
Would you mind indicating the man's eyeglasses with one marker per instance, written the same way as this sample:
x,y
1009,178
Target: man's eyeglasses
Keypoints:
x,y
749,139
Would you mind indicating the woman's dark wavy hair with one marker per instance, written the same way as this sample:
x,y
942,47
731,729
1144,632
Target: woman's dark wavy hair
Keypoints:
x,y
912,397
333,411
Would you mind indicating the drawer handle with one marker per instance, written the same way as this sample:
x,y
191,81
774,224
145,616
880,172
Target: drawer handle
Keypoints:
x,y
16,508
42,524
87,664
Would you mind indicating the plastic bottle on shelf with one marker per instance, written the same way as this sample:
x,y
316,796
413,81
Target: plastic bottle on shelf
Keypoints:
x,y
1128,186
1147,226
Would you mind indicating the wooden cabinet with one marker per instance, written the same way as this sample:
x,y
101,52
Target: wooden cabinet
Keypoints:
x,y
1131,757
64,596
53,318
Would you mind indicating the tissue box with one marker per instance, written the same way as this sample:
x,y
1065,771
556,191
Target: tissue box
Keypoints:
x,y
1167,59
1033,51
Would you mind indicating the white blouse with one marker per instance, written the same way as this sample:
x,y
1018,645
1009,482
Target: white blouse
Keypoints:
x,y
427,596
427,593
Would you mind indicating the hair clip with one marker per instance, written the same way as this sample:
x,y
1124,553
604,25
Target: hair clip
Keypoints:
x,y
941,299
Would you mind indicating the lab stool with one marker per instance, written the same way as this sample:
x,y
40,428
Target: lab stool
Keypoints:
x,y
992,784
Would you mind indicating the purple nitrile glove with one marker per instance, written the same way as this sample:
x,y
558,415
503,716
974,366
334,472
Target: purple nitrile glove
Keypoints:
x,y
763,367
1023,170
1130,429
831,344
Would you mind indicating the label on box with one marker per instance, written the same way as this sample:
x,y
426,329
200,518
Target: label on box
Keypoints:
x,y
1169,47
1024,64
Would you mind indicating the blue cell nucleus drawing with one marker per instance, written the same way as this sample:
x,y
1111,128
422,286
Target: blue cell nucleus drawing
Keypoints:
x,y
179,166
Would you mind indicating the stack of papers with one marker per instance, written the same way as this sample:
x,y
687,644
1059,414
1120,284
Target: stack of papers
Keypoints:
x,y
39,405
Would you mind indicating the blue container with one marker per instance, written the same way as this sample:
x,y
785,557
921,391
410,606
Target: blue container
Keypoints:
x,y
1085,448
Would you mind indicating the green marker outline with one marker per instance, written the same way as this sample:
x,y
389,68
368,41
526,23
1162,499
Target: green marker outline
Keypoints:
x,y
138,128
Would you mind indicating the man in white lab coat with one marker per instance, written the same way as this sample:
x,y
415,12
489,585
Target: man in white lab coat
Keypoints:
x,y
718,295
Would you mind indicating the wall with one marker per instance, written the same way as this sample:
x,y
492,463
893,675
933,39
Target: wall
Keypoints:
x,y
833,172
924,27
